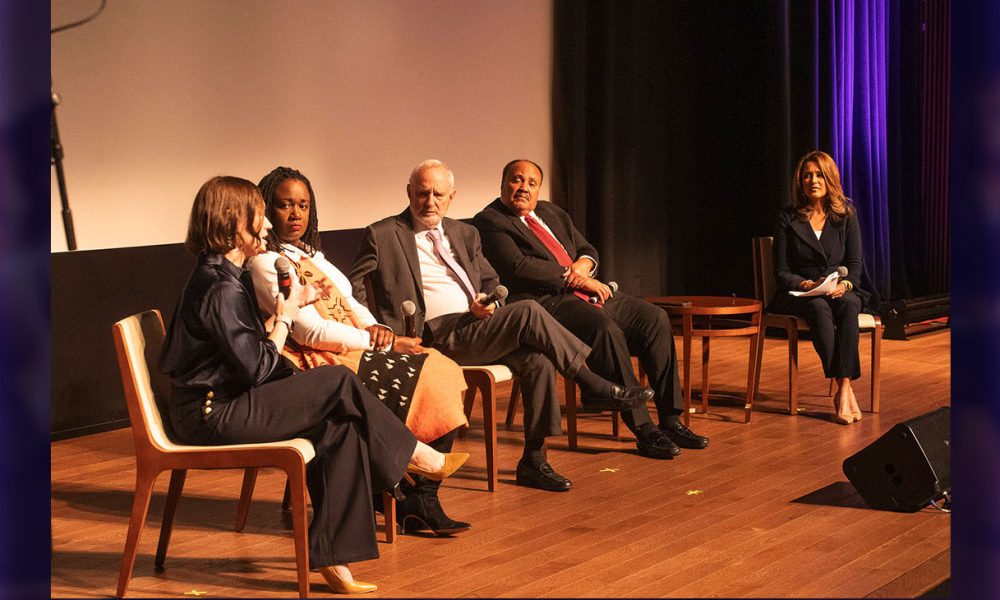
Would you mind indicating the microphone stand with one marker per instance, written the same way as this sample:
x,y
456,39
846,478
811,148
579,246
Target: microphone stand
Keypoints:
x,y
57,150
57,161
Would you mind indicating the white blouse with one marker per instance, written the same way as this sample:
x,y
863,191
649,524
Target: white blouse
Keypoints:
x,y
310,329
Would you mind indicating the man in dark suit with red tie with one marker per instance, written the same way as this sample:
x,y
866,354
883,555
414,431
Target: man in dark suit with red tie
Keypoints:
x,y
437,263
539,254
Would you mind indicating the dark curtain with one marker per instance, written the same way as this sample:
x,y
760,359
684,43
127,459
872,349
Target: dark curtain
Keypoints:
x,y
677,125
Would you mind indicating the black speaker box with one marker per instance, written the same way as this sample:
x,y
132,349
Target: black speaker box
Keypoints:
x,y
908,466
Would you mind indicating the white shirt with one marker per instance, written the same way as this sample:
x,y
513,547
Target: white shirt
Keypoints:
x,y
310,329
443,293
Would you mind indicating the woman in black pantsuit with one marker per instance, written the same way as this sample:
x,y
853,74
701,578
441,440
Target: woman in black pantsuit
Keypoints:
x,y
230,386
815,236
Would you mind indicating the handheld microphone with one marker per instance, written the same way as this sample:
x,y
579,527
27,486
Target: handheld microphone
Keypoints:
x,y
409,309
841,272
614,289
282,266
498,294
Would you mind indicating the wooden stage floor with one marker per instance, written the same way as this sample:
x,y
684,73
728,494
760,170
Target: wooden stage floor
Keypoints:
x,y
765,511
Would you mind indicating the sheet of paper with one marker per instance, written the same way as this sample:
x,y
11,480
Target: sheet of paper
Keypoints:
x,y
828,285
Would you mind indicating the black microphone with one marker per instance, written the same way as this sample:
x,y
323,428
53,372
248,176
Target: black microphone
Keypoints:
x,y
614,289
409,309
498,294
283,267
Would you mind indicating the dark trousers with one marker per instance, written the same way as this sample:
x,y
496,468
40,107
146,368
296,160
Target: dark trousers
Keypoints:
x,y
360,446
527,339
833,326
626,326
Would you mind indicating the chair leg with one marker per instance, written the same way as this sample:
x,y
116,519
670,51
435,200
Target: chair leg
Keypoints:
x,y
286,499
570,393
687,326
297,486
760,359
246,495
490,432
752,376
706,350
144,480
177,477
470,398
515,395
876,366
389,514
793,371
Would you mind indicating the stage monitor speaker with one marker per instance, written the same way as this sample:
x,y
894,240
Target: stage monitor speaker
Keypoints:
x,y
908,466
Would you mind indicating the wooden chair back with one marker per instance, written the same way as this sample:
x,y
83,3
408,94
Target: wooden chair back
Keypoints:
x,y
763,269
138,339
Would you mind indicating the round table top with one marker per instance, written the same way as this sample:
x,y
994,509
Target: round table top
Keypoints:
x,y
707,304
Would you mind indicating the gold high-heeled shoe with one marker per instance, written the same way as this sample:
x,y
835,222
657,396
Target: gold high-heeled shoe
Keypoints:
x,y
856,415
840,418
843,420
339,586
452,461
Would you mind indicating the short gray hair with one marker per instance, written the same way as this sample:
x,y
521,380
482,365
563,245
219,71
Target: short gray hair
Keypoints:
x,y
431,163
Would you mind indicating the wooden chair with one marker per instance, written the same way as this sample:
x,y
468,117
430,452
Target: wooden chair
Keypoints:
x,y
138,340
764,287
481,378
484,379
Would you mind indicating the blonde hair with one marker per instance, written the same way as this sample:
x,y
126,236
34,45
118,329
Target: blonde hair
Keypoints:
x,y
837,205
223,206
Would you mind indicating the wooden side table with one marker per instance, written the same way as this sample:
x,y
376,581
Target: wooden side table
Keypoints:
x,y
715,316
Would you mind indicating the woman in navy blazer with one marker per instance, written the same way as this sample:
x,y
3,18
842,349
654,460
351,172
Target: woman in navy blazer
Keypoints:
x,y
817,234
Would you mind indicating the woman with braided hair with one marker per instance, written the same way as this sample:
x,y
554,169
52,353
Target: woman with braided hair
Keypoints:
x,y
422,386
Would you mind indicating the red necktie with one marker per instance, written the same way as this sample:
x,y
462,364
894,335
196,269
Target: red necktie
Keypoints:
x,y
553,245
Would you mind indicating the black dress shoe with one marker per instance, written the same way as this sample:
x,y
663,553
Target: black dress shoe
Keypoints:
x,y
684,437
622,397
542,477
420,512
657,445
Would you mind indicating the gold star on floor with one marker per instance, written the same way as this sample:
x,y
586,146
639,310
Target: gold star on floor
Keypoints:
x,y
195,593
693,492
609,470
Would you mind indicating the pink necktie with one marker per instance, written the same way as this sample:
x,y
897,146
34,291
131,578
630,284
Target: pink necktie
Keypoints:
x,y
550,242
456,269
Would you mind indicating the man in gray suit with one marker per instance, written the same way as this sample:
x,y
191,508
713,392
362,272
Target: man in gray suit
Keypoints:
x,y
437,263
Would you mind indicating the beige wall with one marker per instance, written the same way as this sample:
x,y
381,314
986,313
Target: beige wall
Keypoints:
x,y
159,95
